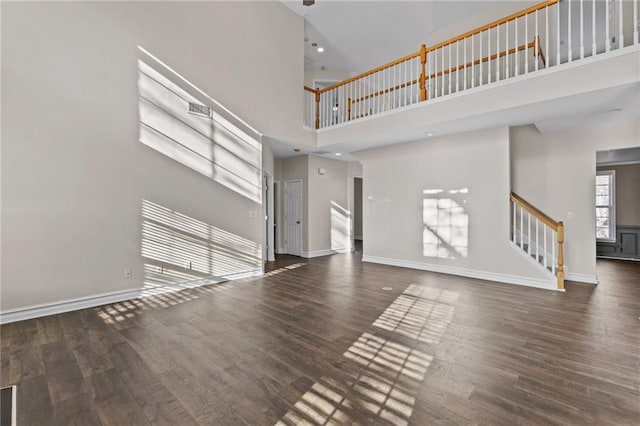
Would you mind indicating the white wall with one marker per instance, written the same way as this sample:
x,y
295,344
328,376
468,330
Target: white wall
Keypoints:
x,y
327,74
329,225
75,177
471,171
556,173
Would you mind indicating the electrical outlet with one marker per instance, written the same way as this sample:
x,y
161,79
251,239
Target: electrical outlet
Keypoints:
x,y
128,273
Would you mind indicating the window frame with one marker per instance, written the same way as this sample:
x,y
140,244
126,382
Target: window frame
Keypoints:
x,y
612,205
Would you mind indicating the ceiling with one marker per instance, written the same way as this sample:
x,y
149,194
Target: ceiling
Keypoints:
x,y
360,35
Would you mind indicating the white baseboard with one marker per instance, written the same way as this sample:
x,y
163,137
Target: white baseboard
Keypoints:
x,y
464,272
318,253
583,278
62,306
36,311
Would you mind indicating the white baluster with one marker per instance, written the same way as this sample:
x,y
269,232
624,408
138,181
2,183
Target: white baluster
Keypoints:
x,y
607,44
593,28
489,56
546,38
406,81
497,52
557,33
473,56
442,72
389,86
537,46
569,46
513,226
581,29
636,23
544,252
521,228
620,24
516,46
507,57
449,68
464,61
526,40
481,63
553,252
457,71
537,245
529,231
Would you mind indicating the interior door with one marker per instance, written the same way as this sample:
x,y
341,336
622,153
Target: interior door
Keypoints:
x,y
293,217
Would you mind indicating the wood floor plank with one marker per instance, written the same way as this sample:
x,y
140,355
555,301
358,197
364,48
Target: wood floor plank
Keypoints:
x,y
319,341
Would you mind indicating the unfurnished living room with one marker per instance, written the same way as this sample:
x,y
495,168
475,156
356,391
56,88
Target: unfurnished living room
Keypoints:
x,y
320,212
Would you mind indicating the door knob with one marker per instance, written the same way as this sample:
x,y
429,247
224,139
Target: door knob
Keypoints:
x,y
298,222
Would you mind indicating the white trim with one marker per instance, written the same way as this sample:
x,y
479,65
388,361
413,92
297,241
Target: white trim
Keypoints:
x,y
582,278
36,311
618,163
464,272
633,259
318,253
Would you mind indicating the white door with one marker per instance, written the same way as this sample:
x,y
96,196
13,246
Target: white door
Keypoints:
x,y
293,217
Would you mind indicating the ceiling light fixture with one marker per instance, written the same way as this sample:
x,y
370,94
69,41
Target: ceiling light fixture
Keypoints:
x,y
320,49
428,133
338,153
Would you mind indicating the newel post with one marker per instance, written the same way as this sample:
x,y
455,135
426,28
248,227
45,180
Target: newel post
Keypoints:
x,y
423,75
560,256
317,108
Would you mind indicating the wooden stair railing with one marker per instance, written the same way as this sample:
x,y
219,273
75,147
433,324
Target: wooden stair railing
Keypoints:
x,y
532,246
422,77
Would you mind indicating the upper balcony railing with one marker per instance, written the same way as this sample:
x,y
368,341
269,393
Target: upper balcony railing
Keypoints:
x,y
546,35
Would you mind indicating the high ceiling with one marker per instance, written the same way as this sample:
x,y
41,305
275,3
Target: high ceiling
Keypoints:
x,y
360,35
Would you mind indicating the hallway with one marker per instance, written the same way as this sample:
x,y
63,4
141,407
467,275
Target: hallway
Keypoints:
x,y
332,339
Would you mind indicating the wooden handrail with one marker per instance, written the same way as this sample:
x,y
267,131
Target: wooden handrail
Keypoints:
x,y
309,89
373,71
501,21
534,211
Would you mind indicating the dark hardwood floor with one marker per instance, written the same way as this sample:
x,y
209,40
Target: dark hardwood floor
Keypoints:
x,y
322,341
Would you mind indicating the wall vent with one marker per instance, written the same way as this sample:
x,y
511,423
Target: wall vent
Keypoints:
x,y
202,110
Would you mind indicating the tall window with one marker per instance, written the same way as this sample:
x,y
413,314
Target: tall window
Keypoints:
x,y
605,207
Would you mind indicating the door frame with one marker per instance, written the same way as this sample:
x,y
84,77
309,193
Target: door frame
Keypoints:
x,y
285,214
351,202
268,250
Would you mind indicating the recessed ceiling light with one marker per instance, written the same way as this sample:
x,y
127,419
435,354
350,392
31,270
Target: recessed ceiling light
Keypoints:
x,y
338,153
428,133
320,49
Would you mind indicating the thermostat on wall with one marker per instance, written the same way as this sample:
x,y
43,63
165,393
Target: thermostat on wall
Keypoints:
x,y
322,171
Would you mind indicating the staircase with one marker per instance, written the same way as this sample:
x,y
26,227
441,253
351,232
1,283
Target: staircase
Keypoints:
x,y
539,237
